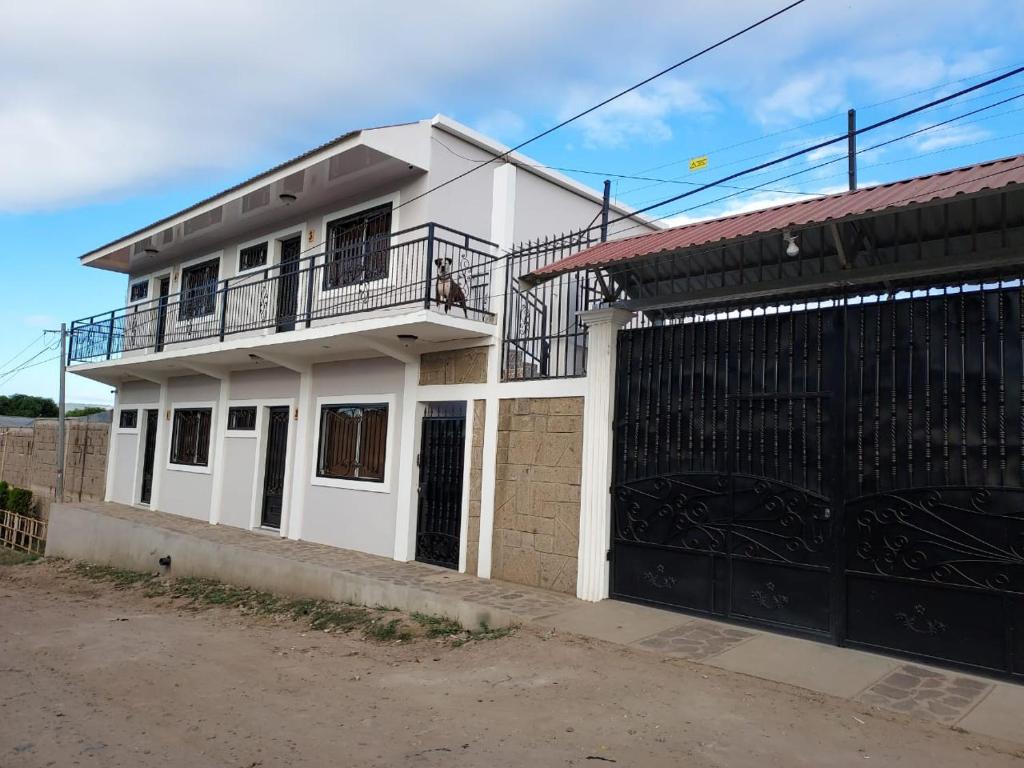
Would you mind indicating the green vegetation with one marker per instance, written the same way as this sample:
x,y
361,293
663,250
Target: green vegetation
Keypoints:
x,y
17,500
88,410
484,633
437,626
27,405
14,557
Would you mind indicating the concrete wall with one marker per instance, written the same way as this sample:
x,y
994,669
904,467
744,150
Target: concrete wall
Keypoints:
x,y
28,459
355,518
188,490
537,492
240,470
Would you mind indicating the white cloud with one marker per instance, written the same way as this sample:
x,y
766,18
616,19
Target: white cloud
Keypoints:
x,y
503,124
642,114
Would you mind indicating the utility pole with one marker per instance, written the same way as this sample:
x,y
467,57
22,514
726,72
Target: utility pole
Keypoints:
x,y
851,147
60,413
605,207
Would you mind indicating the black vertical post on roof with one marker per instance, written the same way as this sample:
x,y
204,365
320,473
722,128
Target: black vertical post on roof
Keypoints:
x,y
851,147
605,206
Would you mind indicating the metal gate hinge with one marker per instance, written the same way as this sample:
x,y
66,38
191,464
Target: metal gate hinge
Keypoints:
x,y
608,555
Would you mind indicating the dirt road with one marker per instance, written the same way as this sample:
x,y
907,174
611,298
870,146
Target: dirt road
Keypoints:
x,y
91,675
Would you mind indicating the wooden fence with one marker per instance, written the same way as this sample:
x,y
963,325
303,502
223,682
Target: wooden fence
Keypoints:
x,y
26,534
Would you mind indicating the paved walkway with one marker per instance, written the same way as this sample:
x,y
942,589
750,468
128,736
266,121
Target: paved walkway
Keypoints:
x,y
975,704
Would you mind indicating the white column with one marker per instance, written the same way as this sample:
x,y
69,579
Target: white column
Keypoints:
x,y
503,234
408,473
163,442
108,491
219,439
292,527
598,412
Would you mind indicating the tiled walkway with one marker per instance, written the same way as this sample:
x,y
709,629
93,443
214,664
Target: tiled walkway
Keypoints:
x,y
985,706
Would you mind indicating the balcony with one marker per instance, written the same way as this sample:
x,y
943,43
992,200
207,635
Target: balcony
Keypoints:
x,y
376,276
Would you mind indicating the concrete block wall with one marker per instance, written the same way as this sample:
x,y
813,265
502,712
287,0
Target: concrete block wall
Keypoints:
x,y
537,492
476,470
28,459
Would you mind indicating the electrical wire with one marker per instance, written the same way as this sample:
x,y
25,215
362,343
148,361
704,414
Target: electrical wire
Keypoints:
x,y
23,350
607,101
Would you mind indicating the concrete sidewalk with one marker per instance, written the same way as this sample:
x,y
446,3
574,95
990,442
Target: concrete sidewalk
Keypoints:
x,y
133,538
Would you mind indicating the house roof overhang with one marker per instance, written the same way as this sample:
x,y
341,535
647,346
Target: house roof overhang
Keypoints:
x,y
350,165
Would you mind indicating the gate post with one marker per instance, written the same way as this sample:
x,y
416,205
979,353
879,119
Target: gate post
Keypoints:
x,y
592,573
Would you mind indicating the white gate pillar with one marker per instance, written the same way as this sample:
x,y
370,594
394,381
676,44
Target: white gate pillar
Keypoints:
x,y
592,574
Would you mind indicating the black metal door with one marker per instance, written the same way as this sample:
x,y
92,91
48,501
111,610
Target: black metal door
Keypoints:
x,y
161,313
439,518
723,499
288,284
275,466
148,455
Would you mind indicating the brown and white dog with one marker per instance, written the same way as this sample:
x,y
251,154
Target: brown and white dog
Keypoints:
x,y
447,290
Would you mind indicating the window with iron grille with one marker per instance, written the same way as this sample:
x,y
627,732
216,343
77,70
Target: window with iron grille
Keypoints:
x,y
139,291
358,248
242,418
128,419
198,290
252,257
353,439
190,437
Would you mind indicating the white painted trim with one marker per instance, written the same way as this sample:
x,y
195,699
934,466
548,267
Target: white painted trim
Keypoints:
x,y
273,241
406,501
259,469
117,420
537,388
394,198
108,489
292,518
246,433
467,462
140,453
389,445
162,445
208,469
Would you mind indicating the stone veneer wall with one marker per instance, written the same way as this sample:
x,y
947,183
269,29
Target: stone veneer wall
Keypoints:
x,y
537,492
476,471
456,366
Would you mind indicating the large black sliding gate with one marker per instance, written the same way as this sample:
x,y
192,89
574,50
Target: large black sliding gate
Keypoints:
x,y
848,469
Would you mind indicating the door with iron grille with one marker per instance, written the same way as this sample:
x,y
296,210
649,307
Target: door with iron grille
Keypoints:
x,y
442,450
275,466
149,456
288,284
724,498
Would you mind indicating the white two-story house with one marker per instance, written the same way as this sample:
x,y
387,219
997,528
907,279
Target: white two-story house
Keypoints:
x,y
315,352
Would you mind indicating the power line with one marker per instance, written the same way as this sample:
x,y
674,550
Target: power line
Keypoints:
x,y
609,100
28,363
8,377
829,142
23,350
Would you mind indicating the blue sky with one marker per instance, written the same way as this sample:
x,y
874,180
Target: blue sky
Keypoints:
x,y
114,114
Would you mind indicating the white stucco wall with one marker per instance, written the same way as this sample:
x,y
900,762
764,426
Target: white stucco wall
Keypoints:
x,y
239,481
357,519
187,491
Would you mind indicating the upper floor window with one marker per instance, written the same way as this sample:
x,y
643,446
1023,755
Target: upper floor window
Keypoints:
x,y
128,419
357,247
190,436
242,418
252,257
199,290
139,291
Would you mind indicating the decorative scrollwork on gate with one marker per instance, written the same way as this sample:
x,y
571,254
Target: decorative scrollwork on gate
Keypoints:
x,y
960,536
769,598
673,511
658,579
918,623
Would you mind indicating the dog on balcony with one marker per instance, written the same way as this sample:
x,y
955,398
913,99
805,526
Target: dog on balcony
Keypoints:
x,y
447,290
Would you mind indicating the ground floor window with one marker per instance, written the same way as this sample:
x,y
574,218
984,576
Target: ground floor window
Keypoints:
x,y
353,439
190,437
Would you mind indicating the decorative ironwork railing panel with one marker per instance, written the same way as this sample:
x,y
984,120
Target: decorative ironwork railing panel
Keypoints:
x,y
299,292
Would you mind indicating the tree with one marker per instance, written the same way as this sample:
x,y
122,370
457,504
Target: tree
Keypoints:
x,y
89,410
27,405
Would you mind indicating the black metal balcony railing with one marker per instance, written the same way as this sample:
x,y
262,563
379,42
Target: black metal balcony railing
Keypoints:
x,y
398,270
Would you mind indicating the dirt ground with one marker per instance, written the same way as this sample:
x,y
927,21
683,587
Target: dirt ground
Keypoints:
x,y
93,675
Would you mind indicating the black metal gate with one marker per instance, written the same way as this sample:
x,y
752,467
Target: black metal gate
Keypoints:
x,y
442,449
847,469
149,455
275,466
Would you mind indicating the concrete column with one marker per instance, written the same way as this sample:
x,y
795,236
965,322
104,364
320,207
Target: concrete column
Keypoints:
x,y
108,490
503,233
603,327
292,527
163,444
406,496
219,439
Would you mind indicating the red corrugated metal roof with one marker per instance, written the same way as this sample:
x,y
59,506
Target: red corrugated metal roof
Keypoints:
x,y
960,181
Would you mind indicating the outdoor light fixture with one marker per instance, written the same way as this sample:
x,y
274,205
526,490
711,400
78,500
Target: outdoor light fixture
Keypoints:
x,y
792,249
407,338
149,250
287,198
